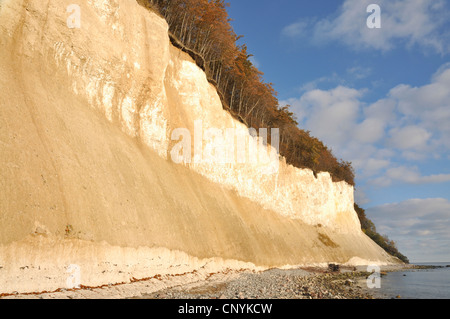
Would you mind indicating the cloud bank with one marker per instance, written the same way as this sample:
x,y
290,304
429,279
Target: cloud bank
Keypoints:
x,y
407,22
419,226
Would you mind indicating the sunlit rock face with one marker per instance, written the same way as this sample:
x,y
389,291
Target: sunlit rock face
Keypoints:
x,y
91,100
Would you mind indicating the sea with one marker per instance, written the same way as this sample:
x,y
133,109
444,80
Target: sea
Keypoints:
x,y
417,283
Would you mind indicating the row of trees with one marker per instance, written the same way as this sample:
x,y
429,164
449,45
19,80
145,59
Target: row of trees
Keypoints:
x,y
203,28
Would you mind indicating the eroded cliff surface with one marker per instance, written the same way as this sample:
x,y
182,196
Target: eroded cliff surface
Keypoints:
x,y
87,176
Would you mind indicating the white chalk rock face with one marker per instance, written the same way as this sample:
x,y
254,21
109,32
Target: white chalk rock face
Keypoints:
x,y
95,105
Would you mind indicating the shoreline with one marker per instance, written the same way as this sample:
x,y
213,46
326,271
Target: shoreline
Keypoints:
x,y
343,282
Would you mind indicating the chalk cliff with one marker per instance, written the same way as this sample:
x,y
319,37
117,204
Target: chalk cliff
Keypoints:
x,y
87,175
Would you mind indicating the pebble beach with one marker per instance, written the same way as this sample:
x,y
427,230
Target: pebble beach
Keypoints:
x,y
278,284
300,283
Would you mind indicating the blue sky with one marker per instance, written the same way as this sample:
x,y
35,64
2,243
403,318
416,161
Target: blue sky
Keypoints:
x,y
379,98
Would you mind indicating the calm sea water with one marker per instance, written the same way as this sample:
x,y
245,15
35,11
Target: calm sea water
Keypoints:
x,y
418,284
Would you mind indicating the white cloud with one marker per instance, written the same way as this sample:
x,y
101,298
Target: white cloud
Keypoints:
x,y
352,74
409,137
359,72
331,114
409,175
313,85
429,103
297,29
373,165
370,130
410,124
411,22
415,224
383,110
